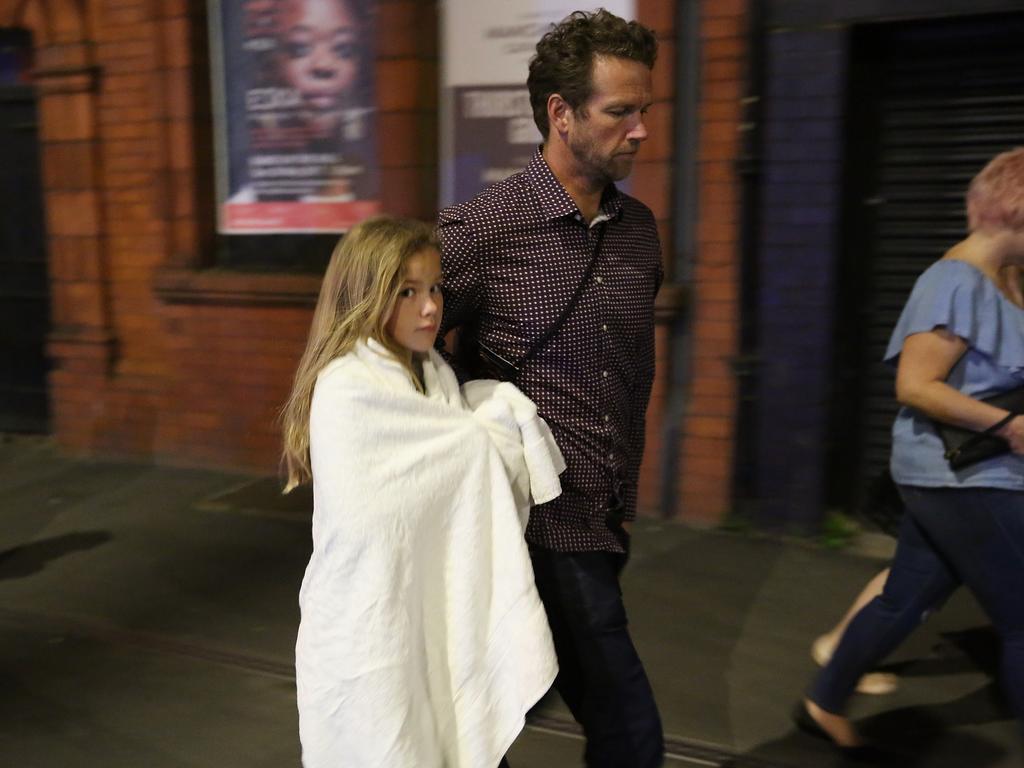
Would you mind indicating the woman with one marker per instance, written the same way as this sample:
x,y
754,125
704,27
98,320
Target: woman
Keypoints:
x,y
310,136
320,49
959,339
422,641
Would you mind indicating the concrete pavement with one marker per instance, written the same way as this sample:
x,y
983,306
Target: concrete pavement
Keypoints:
x,y
148,615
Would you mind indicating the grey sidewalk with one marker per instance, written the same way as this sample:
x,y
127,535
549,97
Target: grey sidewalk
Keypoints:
x,y
147,618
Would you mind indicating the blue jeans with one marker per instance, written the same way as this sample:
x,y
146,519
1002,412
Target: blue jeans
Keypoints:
x,y
973,536
600,676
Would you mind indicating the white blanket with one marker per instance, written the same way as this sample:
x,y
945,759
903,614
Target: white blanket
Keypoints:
x,y
423,641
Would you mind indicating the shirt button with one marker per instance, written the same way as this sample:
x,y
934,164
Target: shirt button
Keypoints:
x,y
604,327
604,374
611,456
607,418
599,279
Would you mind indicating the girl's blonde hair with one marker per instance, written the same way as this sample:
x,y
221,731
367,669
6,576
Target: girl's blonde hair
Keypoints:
x,y
358,292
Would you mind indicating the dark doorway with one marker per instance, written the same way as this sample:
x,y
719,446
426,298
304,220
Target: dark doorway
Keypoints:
x,y
24,282
930,103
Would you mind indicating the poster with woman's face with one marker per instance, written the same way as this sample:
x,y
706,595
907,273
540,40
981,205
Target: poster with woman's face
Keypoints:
x,y
295,115
487,128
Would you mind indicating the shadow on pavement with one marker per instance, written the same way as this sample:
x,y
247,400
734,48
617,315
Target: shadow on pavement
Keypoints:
x,y
31,558
967,651
935,734
911,736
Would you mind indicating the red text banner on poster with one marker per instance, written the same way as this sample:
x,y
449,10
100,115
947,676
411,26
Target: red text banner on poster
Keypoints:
x,y
296,217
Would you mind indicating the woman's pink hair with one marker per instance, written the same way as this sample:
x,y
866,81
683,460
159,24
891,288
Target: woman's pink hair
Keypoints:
x,y
995,197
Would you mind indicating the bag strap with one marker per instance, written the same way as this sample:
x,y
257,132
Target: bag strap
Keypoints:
x,y
557,325
977,437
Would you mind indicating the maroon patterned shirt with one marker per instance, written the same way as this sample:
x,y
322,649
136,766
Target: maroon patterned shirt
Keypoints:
x,y
512,259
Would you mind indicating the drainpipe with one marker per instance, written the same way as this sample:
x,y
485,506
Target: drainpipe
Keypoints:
x,y
686,127
747,363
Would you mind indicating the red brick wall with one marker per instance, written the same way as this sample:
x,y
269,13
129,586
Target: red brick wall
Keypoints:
x,y
160,358
155,357
652,184
233,341
708,430
67,85
140,199
233,368
705,465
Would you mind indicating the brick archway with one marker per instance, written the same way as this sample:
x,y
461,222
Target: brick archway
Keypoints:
x,y
66,82
52,22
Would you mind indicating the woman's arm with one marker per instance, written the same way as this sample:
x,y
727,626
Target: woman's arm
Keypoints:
x,y
925,362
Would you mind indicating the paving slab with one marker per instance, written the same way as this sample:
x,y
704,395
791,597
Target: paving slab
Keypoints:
x,y
148,618
70,700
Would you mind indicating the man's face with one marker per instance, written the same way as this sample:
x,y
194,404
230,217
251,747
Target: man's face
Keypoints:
x,y
606,131
319,39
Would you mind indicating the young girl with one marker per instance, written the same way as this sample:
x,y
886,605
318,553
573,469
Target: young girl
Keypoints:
x,y
422,641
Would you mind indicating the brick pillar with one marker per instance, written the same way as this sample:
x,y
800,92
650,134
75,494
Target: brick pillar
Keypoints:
x,y
81,344
182,53
407,32
708,436
652,184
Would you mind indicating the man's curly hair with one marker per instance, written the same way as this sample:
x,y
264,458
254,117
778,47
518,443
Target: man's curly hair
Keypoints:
x,y
565,57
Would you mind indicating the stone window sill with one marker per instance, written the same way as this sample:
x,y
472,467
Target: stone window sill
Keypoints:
x,y
175,285
671,301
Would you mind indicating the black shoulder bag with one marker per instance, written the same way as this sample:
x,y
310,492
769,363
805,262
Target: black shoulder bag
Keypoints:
x,y
965,447
483,362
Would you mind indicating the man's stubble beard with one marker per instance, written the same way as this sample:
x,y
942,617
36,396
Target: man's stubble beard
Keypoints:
x,y
599,170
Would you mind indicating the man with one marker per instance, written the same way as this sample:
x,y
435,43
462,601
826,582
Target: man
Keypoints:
x,y
559,236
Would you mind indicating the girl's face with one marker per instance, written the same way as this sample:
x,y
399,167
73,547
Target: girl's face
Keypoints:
x,y
320,45
414,320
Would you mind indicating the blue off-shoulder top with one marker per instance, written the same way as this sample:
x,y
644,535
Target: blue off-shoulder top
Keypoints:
x,y
957,296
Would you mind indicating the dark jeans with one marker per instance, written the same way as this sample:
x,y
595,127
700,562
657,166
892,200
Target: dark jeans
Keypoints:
x,y
950,536
600,675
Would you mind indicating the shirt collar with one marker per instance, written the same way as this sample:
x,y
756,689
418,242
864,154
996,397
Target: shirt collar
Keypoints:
x,y
555,201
